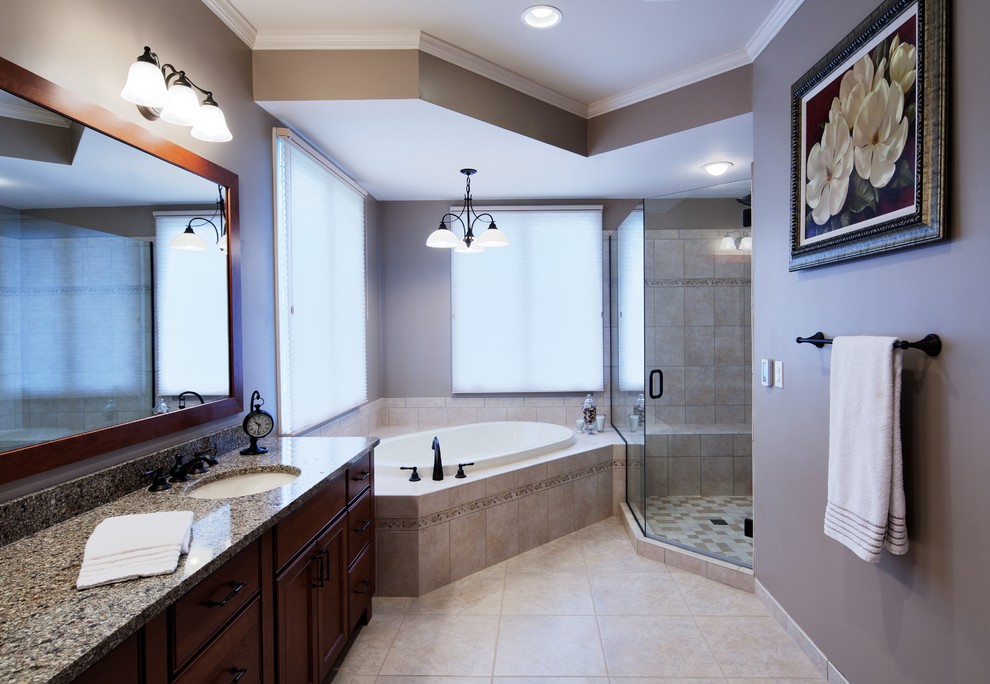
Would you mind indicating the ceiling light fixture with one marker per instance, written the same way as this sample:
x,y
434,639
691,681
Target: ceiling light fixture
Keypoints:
x,y
443,237
162,91
542,16
717,168
188,241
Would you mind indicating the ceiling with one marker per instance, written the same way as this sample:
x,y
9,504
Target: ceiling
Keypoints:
x,y
603,56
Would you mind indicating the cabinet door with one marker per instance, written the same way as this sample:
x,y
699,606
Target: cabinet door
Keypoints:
x,y
295,594
119,665
331,597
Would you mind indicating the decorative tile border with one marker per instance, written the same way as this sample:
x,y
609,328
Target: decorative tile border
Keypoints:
x,y
412,524
699,282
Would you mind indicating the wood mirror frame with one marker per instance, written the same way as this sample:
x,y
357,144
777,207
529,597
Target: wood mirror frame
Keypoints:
x,y
38,458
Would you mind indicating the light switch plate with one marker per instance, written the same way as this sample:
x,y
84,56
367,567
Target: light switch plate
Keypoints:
x,y
778,374
766,372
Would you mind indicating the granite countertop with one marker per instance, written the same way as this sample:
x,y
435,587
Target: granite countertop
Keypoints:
x,y
51,632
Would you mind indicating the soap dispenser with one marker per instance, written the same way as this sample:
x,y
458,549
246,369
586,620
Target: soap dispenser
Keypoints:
x,y
590,410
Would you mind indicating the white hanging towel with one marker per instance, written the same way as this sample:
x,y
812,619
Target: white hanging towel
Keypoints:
x,y
866,507
131,546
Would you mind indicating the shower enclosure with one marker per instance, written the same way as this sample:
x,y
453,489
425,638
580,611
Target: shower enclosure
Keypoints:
x,y
681,371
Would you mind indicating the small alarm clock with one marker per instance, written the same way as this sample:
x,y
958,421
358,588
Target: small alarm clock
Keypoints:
x,y
257,424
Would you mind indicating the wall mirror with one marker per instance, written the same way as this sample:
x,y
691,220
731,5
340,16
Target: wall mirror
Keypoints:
x,y
109,336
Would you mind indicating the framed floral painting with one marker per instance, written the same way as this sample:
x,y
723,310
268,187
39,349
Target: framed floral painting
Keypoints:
x,y
868,139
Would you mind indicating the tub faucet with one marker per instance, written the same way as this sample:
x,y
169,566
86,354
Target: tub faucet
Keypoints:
x,y
182,398
437,463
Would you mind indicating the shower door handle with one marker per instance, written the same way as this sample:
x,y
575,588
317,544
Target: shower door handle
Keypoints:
x,y
656,393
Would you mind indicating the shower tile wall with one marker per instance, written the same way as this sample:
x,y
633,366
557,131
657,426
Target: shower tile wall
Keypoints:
x,y
697,302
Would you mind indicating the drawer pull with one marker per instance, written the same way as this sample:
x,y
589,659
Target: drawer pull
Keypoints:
x,y
365,584
233,592
365,474
365,524
238,672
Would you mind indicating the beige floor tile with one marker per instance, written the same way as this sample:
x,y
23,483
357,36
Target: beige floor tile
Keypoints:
x,y
550,680
371,645
557,556
641,646
444,645
477,594
346,678
754,647
618,555
661,680
625,593
418,679
538,593
391,605
549,645
705,597
770,680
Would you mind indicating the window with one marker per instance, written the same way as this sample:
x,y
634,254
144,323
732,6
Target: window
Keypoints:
x,y
528,317
321,289
190,308
631,279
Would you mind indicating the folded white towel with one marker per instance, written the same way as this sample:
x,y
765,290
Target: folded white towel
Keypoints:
x,y
866,507
131,546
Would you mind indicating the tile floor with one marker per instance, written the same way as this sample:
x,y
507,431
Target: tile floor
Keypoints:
x,y
688,520
583,609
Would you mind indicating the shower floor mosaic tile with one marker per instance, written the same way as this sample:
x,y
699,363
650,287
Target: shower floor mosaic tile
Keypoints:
x,y
689,520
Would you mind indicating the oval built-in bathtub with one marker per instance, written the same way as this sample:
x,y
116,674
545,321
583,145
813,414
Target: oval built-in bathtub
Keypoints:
x,y
487,445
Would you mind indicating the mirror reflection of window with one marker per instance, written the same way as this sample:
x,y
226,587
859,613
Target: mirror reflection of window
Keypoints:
x,y
190,313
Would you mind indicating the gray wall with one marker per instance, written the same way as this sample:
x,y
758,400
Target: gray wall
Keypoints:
x,y
87,47
920,617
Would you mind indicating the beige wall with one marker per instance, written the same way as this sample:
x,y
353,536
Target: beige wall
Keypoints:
x,y
920,617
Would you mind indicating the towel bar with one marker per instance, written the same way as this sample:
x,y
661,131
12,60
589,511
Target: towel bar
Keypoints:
x,y
931,344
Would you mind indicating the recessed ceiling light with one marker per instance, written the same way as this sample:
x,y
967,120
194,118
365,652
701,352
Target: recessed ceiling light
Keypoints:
x,y
717,168
542,16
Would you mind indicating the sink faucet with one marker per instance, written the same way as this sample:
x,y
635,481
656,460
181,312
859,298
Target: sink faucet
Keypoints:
x,y
198,464
182,398
437,463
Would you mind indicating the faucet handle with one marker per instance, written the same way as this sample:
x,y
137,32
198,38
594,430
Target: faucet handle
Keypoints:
x,y
460,469
159,483
206,457
415,475
179,471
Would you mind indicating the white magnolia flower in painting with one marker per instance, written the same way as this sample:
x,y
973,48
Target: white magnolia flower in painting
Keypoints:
x,y
856,84
903,64
830,163
879,134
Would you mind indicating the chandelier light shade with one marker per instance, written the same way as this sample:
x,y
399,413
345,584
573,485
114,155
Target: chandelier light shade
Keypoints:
x,y
467,219
161,91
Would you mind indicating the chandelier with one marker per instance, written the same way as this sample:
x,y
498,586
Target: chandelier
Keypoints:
x,y
444,237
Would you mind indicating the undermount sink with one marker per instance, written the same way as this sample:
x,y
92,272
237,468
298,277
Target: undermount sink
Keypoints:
x,y
244,483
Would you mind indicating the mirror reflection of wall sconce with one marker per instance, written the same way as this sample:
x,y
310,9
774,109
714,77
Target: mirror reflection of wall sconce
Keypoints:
x,y
739,240
162,91
189,241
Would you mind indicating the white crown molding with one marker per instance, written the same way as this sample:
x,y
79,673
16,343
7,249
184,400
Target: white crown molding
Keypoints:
x,y
455,55
31,113
685,77
318,39
234,20
771,27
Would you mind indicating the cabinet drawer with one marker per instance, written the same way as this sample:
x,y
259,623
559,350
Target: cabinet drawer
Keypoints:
x,y
359,476
297,530
360,525
211,603
360,586
235,655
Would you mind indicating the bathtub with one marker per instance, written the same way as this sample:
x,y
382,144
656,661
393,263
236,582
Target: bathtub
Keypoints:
x,y
487,445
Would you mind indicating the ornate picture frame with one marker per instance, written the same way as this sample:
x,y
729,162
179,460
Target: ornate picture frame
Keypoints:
x,y
868,139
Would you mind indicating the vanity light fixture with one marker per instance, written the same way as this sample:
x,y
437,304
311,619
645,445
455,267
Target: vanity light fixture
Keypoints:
x,y
737,240
162,91
717,168
444,237
189,241
542,16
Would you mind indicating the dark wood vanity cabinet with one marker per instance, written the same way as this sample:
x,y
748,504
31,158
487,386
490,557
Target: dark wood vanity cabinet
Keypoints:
x,y
318,603
279,612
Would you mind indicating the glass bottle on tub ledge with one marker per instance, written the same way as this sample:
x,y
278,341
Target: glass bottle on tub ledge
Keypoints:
x,y
590,410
